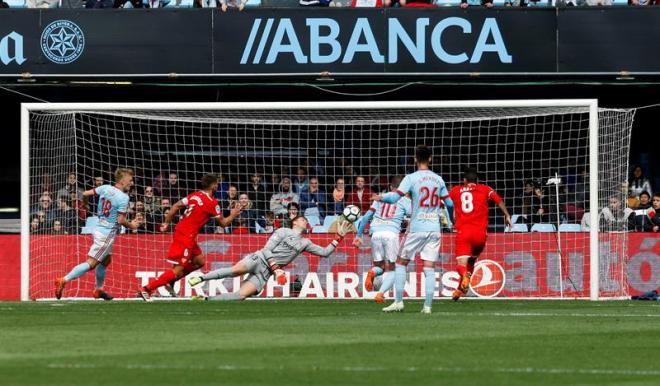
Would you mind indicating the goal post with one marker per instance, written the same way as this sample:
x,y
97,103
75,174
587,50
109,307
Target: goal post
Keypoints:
x,y
508,141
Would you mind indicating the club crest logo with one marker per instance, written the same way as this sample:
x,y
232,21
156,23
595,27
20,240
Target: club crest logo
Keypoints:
x,y
62,42
488,279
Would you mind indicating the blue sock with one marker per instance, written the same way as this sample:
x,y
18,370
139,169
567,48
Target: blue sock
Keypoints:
x,y
399,281
100,275
377,270
77,271
429,285
388,281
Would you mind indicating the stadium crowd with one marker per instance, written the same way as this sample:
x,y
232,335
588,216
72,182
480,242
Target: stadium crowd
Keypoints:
x,y
271,203
240,5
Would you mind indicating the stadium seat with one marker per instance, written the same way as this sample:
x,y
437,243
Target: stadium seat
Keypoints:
x,y
518,228
258,228
514,218
543,228
319,229
313,220
570,228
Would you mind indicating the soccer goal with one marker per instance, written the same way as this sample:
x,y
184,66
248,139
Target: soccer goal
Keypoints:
x,y
556,163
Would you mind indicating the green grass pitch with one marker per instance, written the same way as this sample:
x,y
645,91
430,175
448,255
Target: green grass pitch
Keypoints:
x,y
318,343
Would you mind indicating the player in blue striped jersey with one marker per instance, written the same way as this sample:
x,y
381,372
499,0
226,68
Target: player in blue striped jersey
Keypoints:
x,y
112,208
428,190
385,228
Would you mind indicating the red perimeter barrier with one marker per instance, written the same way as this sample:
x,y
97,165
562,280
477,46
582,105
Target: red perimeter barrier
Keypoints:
x,y
529,264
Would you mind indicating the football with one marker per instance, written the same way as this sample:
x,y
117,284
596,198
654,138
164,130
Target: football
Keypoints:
x,y
351,213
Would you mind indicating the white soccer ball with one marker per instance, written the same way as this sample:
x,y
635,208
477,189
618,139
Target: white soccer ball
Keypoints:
x,y
351,213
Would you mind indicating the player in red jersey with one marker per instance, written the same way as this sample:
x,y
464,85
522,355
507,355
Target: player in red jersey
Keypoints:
x,y
184,251
471,223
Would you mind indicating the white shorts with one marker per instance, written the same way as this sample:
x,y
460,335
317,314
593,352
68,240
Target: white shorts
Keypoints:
x,y
427,244
385,245
102,246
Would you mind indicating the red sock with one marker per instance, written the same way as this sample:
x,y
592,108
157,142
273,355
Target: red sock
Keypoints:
x,y
163,279
461,270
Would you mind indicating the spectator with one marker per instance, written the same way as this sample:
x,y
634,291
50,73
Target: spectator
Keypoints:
x,y
314,3
349,175
58,229
233,4
45,206
541,207
292,212
526,198
274,184
377,181
313,201
632,201
66,216
279,201
35,225
613,217
230,201
301,182
639,220
367,3
360,196
158,183
394,3
93,200
655,214
172,189
101,4
641,2
70,186
598,3
638,183
151,202
165,204
339,196
257,190
223,188
247,220
143,228
80,209
270,223
41,3
484,3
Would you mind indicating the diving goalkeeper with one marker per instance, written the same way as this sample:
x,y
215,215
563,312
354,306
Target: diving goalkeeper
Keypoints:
x,y
281,249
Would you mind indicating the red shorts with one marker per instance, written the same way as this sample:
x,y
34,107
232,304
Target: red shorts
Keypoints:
x,y
470,243
182,250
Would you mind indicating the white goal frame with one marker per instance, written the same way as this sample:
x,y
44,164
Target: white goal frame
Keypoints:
x,y
590,104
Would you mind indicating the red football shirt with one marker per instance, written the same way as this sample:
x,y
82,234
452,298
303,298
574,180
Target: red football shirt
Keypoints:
x,y
199,208
471,206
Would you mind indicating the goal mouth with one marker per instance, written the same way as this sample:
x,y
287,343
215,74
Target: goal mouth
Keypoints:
x,y
509,142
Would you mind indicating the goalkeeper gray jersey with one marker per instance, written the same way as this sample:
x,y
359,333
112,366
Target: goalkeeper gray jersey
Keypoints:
x,y
286,244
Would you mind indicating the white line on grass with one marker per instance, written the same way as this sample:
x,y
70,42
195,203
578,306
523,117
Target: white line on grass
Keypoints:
x,y
359,369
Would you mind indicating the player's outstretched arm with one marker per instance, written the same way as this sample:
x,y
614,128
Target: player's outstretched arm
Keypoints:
x,y
318,250
170,215
233,213
357,241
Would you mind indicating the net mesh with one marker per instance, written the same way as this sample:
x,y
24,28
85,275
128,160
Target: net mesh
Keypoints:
x,y
273,156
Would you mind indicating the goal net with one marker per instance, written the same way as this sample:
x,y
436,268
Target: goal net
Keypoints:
x,y
322,157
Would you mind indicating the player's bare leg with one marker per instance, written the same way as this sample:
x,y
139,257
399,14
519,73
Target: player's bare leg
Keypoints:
x,y
99,292
75,273
399,283
465,266
235,270
376,270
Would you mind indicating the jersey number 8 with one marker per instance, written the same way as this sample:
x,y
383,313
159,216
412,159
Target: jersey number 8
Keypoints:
x,y
466,202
